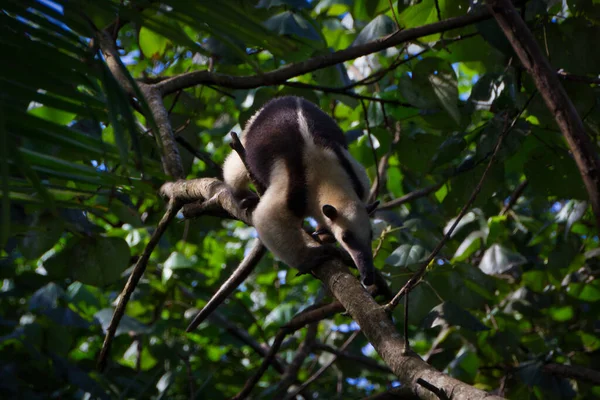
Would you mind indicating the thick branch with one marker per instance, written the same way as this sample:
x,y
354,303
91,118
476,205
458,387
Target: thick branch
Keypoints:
x,y
410,196
279,76
554,95
373,320
205,189
171,160
574,372
382,334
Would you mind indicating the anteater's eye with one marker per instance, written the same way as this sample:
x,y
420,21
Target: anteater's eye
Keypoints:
x,y
346,237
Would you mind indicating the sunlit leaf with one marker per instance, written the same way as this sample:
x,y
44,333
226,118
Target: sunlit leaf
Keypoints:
x,y
498,259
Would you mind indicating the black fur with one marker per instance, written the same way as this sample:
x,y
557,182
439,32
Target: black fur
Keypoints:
x,y
275,134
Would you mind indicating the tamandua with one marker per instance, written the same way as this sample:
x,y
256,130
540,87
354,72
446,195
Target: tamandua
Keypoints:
x,y
299,154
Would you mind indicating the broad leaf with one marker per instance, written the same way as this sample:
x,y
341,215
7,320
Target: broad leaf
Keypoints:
x,y
498,259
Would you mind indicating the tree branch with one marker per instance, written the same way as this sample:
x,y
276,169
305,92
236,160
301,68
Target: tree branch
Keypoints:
x,y
382,334
410,196
279,76
372,318
515,196
557,101
171,160
235,279
366,361
291,372
323,368
574,372
421,271
134,278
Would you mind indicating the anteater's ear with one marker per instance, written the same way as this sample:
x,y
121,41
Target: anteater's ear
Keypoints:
x,y
372,207
329,211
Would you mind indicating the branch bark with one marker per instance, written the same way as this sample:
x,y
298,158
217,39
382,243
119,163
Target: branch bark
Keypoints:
x,y
557,101
134,278
170,157
278,76
574,372
373,320
291,372
382,334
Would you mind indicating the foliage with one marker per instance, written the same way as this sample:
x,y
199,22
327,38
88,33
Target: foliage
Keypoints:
x,y
80,170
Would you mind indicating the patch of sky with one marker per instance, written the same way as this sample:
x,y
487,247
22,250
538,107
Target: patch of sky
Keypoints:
x,y
353,326
368,349
281,275
130,57
360,382
556,207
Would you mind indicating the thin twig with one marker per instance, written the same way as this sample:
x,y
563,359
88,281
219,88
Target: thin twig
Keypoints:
x,y
323,368
344,92
421,271
368,362
406,343
235,279
172,209
410,196
291,372
250,383
394,14
198,154
370,137
514,196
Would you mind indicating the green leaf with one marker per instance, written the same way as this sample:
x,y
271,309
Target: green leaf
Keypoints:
x,y
413,14
152,44
450,314
498,230
43,233
52,115
433,84
176,261
96,261
571,212
126,325
85,298
448,151
137,353
473,242
406,255
294,4
46,297
589,291
380,26
5,204
498,259
554,173
290,23
492,34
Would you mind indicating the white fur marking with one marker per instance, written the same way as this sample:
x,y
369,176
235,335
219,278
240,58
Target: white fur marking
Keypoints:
x,y
303,124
